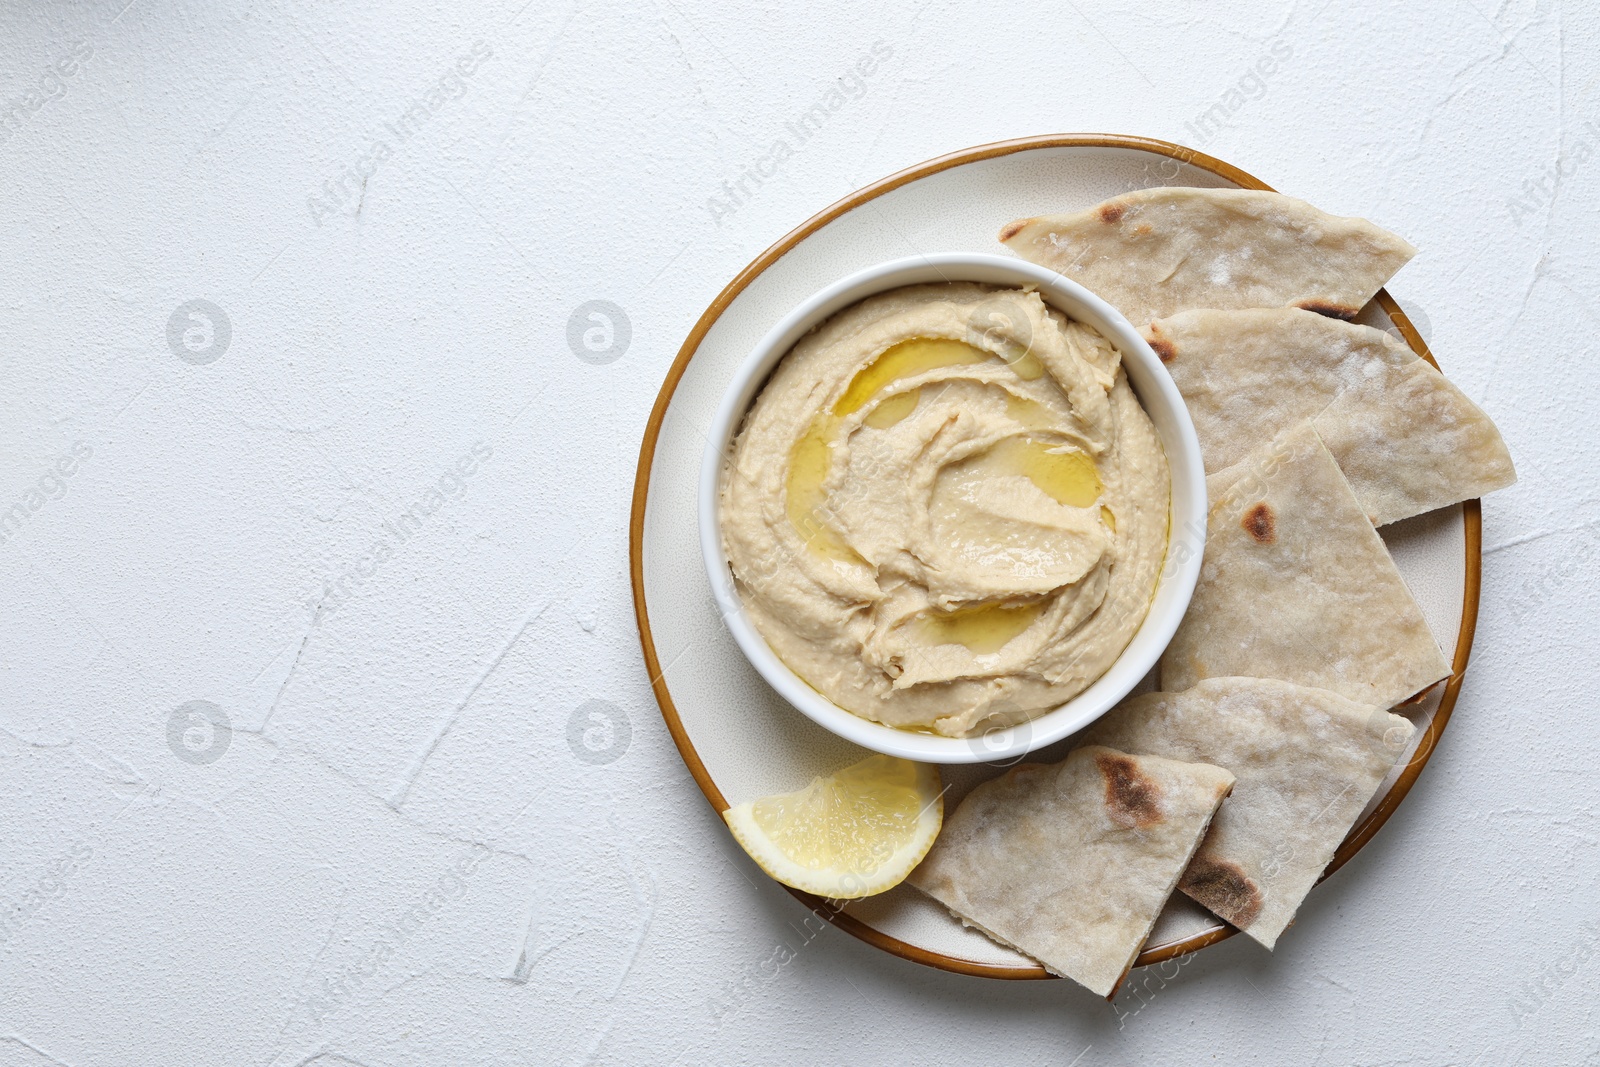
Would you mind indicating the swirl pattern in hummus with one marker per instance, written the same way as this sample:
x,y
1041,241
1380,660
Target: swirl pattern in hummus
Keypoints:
x,y
947,510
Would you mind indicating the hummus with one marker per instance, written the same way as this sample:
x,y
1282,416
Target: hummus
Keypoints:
x,y
947,511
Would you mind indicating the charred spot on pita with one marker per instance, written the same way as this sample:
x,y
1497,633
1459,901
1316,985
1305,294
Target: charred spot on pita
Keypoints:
x,y
1333,311
1133,799
1261,524
1011,229
1111,211
1225,889
1162,346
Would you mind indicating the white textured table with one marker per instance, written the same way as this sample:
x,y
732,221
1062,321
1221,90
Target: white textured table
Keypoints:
x,y
310,585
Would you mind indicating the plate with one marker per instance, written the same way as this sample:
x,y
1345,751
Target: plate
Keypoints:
x,y
739,739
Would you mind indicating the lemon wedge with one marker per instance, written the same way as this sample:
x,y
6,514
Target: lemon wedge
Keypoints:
x,y
852,834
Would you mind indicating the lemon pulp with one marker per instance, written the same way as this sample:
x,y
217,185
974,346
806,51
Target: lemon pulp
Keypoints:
x,y
851,834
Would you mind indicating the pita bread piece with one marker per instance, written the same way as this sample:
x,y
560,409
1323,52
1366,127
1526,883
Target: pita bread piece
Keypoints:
x,y
1306,763
1406,438
1298,586
1156,252
1072,862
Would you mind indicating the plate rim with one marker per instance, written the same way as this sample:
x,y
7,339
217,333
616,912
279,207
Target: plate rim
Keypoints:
x,y
1472,522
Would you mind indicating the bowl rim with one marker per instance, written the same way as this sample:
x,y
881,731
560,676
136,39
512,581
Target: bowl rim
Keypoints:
x,y
1158,396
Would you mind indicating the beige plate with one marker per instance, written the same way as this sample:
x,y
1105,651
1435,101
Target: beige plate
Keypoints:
x,y
739,739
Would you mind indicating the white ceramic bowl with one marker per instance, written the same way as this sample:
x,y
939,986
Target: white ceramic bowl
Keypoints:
x,y
1160,399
